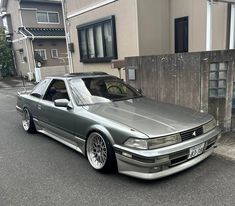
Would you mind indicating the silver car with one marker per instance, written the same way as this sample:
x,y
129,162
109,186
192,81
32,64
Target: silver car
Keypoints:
x,y
115,127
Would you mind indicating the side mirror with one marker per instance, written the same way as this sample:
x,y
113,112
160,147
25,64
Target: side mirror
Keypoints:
x,y
61,103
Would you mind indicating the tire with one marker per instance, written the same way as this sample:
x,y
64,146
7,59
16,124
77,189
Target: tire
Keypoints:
x,y
100,153
27,121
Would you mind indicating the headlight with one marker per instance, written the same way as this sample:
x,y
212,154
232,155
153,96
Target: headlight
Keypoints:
x,y
209,126
153,143
164,141
136,143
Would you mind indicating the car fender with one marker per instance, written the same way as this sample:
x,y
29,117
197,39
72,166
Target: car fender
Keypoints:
x,y
103,130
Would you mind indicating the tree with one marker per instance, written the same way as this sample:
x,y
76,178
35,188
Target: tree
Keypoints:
x,y
6,64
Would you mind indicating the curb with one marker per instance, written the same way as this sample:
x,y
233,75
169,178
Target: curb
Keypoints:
x,y
226,146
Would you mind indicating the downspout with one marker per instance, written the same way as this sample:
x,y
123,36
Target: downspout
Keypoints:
x,y
67,37
229,23
31,45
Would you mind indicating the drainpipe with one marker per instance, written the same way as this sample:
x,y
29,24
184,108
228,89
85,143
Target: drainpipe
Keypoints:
x,y
70,61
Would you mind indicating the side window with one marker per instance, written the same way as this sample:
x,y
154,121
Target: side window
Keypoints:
x,y
57,90
39,90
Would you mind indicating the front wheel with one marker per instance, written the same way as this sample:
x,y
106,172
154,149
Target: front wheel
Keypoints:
x,y
100,153
27,121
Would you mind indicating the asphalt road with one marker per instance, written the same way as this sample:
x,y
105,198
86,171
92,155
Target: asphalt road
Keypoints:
x,y
36,170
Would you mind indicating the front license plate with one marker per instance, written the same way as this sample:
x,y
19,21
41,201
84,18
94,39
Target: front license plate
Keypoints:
x,y
196,150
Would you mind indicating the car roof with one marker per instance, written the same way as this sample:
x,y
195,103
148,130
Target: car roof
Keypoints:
x,y
81,75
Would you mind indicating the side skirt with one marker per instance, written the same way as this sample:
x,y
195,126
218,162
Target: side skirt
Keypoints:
x,y
79,145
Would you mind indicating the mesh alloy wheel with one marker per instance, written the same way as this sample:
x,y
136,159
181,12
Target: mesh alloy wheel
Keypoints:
x,y
96,151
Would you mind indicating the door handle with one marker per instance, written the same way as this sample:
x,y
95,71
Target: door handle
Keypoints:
x,y
39,106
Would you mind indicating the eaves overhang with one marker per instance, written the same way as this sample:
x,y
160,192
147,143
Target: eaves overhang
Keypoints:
x,y
42,33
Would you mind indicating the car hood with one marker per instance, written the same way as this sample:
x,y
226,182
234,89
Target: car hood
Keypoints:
x,y
149,117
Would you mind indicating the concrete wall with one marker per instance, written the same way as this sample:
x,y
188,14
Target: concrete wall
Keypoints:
x,y
154,27
184,79
125,12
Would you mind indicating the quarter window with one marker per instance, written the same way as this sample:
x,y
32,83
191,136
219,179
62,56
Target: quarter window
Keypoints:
x,y
218,80
39,90
47,17
97,41
57,90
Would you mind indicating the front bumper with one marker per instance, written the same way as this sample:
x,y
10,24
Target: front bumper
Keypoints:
x,y
161,162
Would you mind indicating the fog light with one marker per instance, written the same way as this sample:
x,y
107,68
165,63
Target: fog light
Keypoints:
x,y
155,169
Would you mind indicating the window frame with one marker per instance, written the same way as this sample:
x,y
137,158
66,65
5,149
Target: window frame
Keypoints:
x,y
44,97
185,43
217,79
57,54
48,19
21,57
40,50
100,22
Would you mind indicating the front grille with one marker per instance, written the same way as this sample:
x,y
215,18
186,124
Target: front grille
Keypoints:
x,y
189,134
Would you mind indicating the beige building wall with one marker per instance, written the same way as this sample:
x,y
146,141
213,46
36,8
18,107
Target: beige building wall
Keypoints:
x,y
146,27
154,27
21,66
219,26
196,10
125,12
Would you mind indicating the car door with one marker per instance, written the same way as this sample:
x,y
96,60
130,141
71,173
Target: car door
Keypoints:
x,y
59,121
36,95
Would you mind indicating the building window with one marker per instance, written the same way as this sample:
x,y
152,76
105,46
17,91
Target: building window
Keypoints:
x,y
21,55
42,53
97,41
54,53
47,17
218,79
181,35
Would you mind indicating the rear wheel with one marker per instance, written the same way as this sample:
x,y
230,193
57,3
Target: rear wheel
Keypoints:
x,y
100,153
27,121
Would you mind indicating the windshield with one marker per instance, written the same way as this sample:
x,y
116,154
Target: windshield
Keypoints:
x,y
100,90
